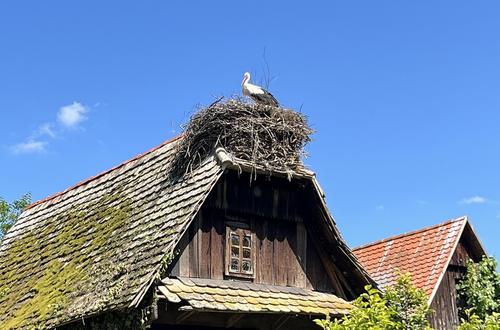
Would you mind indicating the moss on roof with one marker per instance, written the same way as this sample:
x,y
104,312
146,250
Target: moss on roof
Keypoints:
x,y
99,245
96,247
85,233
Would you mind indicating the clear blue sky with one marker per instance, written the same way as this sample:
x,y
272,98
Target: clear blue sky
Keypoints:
x,y
404,96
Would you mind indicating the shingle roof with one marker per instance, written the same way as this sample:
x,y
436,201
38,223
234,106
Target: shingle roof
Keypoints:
x,y
424,253
219,295
97,244
101,243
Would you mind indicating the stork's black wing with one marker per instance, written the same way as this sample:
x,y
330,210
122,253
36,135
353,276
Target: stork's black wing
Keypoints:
x,y
266,98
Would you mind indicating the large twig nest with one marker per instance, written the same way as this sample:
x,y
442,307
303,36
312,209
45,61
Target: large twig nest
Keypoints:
x,y
268,137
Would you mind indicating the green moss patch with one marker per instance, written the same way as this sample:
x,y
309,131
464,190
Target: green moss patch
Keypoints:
x,y
43,274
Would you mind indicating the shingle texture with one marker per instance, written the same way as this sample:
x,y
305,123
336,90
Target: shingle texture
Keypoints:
x,y
234,296
424,253
98,244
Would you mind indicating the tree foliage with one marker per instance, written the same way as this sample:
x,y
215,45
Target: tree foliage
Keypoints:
x,y
474,322
409,303
371,313
403,307
480,293
480,288
10,212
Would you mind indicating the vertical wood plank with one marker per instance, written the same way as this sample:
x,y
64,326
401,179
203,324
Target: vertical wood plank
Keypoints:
x,y
267,255
326,272
204,245
184,258
217,247
312,261
279,256
193,248
301,255
292,264
259,250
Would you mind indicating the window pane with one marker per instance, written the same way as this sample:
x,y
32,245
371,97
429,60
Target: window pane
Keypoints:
x,y
234,265
246,266
247,241
235,239
246,253
235,252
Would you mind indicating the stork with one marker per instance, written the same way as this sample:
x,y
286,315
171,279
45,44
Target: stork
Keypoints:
x,y
257,93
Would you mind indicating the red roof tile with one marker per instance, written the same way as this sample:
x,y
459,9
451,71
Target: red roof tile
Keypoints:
x,y
424,253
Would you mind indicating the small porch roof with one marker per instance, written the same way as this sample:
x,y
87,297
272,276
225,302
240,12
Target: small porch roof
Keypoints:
x,y
241,297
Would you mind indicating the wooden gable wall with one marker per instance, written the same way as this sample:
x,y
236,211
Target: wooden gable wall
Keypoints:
x,y
276,210
444,304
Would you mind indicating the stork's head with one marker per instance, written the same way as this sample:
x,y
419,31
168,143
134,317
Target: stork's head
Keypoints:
x,y
246,78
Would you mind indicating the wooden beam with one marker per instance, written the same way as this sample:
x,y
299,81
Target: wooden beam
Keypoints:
x,y
330,269
234,319
343,280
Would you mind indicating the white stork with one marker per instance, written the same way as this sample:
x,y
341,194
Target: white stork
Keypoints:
x,y
257,93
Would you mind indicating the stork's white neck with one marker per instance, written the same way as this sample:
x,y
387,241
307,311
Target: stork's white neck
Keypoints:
x,y
246,79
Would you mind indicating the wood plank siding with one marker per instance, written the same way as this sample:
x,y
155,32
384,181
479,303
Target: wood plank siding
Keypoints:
x,y
444,304
285,236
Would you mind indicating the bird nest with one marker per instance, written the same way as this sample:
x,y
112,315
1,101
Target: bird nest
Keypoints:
x,y
267,137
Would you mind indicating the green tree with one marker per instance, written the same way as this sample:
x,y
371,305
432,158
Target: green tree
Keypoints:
x,y
480,293
10,212
402,307
474,322
409,303
371,312
480,288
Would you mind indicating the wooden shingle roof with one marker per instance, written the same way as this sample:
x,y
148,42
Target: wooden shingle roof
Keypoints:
x,y
220,295
424,253
99,244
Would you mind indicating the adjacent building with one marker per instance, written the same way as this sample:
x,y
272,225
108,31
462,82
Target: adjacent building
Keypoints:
x,y
435,256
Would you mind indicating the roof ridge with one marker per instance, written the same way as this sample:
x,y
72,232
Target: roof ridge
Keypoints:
x,y
410,233
94,177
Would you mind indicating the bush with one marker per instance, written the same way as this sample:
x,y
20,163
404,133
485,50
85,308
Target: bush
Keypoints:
x,y
402,307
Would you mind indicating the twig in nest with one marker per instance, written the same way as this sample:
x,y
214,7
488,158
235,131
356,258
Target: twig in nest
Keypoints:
x,y
268,137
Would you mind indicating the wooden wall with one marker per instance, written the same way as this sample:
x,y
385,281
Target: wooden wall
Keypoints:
x,y
285,255
444,304
278,213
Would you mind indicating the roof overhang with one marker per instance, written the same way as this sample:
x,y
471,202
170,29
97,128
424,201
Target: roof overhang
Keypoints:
x,y
240,297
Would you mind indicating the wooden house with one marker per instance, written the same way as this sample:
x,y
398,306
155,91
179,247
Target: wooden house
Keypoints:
x,y
436,258
226,245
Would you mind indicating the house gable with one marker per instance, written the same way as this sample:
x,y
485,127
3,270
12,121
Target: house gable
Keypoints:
x,y
444,301
281,218
102,244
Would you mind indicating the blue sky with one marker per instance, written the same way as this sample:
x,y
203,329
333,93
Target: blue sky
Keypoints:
x,y
404,96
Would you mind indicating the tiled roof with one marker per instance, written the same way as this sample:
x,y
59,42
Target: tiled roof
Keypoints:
x,y
98,244
220,295
424,253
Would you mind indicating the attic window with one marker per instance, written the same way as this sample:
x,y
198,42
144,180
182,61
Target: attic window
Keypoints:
x,y
240,260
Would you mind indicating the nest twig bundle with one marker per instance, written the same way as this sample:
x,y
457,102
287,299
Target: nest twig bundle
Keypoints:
x,y
265,136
